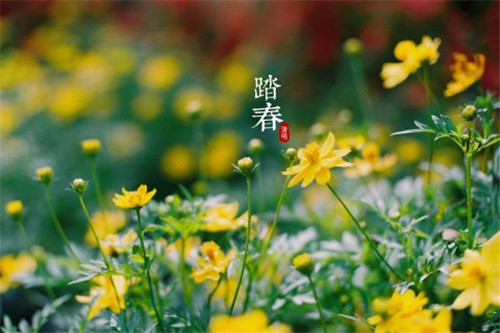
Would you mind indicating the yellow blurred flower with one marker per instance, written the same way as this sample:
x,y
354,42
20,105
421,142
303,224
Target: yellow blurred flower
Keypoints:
x,y
114,244
411,57
354,142
371,162
226,291
409,150
394,314
236,77
226,106
464,73
18,67
316,162
478,277
223,218
14,208
103,295
423,322
213,263
94,72
147,105
10,117
45,174
12,268
124,140
91,146
220,151
160,72
254,321
178,163
133,199
69,101
193,99
105,223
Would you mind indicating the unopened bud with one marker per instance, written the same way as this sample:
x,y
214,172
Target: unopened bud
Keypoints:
x,y
79,185
353,46
303,263
255,146
291,154
14,209
91,147
469,112
245,164
45,174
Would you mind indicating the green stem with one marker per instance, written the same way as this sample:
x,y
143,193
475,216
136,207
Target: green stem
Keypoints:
x,y
247,241
316,298
148,275
468,179
182,269
209,301
428,96
360,89
104,257
57,223
258,174
267,241
374,247
45,277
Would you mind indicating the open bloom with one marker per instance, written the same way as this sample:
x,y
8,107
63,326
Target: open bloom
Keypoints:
x,y
254,321
316,162
213,263
464,73
371,162
405,313
478,277
411,57
12,268
133,199
103,295
223,217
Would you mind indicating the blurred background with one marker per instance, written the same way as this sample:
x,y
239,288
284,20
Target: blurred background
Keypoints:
x,y
129,73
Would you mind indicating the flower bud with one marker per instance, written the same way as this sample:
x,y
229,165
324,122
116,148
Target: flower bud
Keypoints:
x,y
291,154
14,209
255,146
449,235
194,110
353,46
79,185
303,263
469,112
45,174
91,147
245,164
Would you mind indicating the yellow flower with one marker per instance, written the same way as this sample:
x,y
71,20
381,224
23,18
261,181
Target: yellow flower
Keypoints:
x,y
428,49
409,150
236,77
303,263
91,146
223,218
316,162
394,314
133,199
411,57
69,101
178,163
220,151
254,321
12,268
114,244
478,277
213,263
147,105
105,223
103,296
464,73
160,72
354,142
14,209
371,162
193,100
423,322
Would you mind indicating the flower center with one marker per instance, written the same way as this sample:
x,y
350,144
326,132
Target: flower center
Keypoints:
x,y
311,152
